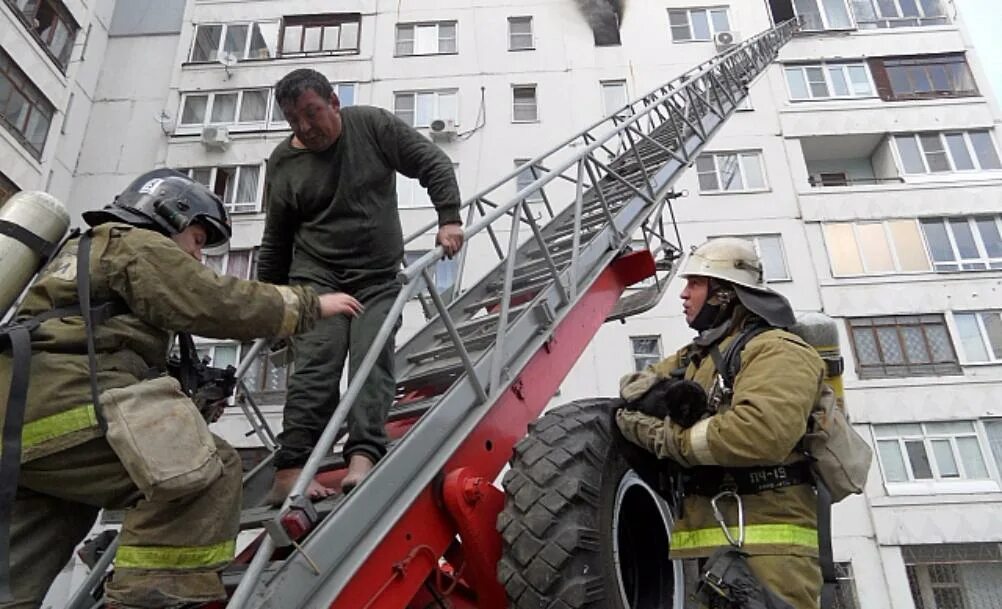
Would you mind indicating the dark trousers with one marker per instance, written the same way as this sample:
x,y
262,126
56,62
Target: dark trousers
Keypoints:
x,y
314,386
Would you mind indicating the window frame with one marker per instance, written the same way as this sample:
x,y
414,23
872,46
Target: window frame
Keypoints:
x,y
979,243
907,369
515,104
941,135
236,207
890,241
414,25
823,14
879,67
65,18
267,123
321,21
646,356
532,33
436,114
716,154
33,99
619,82
707,12
245,54
826,68
883,22
983,334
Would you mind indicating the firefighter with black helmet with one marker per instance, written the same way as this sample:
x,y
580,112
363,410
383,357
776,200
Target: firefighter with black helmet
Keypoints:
x,y
143,265
744,452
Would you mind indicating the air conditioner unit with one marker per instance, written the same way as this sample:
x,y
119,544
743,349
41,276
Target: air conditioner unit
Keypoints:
x,y
725,40
216,136
442,130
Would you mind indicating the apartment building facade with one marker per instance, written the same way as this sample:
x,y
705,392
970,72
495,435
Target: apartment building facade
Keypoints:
x,y
865,167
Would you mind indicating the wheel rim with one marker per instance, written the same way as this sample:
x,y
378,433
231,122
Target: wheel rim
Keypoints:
x,y
641,532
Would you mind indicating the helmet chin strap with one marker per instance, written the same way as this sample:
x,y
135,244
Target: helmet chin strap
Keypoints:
x,y
717,308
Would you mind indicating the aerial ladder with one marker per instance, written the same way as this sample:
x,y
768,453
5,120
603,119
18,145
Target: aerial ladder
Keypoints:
x,y
427,527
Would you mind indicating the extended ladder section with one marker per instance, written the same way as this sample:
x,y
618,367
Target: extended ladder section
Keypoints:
x,y
460,370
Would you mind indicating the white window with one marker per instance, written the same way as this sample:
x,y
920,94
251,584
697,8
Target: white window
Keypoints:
x,y
410,193
524,109
829,81
235,263
328,34
646,351
934,452
731,172
876,248
526,177
964,243
872,14
823,14
947,152
248,108
614,96
980,335
426,38
238,186
770,251
444,272
214,41
697,24
520,36
420,108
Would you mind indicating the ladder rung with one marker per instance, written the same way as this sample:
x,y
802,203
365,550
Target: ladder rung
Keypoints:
x,y
494,300
477,323
448,349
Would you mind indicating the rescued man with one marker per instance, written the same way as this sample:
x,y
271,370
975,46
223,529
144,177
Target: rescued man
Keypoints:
x,y
332,223
749,431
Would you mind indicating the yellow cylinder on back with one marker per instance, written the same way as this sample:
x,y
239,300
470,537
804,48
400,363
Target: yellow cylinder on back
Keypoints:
x,y
40,214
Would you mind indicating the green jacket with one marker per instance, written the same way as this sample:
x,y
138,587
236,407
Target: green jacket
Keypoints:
x,y
165,290
779,381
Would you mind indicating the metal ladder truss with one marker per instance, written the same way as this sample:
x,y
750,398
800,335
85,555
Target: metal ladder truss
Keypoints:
x,y
459,374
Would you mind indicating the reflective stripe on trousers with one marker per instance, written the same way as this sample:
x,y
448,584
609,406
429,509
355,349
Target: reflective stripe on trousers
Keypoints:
x,y
179,557
755,534
56,425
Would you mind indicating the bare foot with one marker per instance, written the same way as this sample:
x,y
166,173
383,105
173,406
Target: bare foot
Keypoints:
x,y
359,467
284,481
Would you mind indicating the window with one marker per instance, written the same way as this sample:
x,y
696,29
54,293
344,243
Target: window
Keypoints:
x,y
419,108
980,335
410,193
925,77
250,108
903,345
525,178
646,351
730,172
697,24
947,152
332,34
872,14
954,575
770,251
238,187
426,38
51,24
614,96
875,248
444,272
816,15
24,111
828,81
948,450
524,108
235,263
520,36
965,243
243,41
845,587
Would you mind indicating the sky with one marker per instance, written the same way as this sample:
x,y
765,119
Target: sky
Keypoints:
x,y
984,21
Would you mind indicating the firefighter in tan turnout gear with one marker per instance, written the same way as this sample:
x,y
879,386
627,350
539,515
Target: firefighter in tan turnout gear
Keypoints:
x,y
179,528
749,442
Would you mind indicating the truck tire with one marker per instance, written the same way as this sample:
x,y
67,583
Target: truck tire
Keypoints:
x,y
580,529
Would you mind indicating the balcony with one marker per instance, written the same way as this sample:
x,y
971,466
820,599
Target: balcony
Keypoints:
x,y
848,15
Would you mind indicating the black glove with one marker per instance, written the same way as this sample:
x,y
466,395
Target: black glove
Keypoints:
x,y
684,402
656,473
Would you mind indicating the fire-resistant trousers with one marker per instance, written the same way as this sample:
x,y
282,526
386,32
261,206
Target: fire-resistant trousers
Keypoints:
x,y
795,579
170,552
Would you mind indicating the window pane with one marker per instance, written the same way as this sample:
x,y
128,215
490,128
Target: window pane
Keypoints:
x,y
679,22
719,19
890,346
771,251
993,428
911,158
236,40
405,40
194,110
839,84
860,80
919,460
202,175
837,13
939,343
730,173
206,42
876,252
38,129
810,14
238,263
349,36
939,241
993,326
971,457
254,105
866,346
292,39
425,39
958,150
908,245
892,460
447,38
311,38
613,96
969,335
909,8
264,39
945,462
984,149
751,167
841,242
798,83
900,83
224,355
915,348
403,107
425,109
331,38
447,106
346,94
224,108
963,236
988,228
935,155
247,189
817,82
700,25
707,171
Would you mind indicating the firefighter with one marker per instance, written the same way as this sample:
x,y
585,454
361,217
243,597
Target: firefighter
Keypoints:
x,y
745,449
145,253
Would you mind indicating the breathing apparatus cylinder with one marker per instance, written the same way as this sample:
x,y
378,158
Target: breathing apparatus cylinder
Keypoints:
x,y
33,217
821,332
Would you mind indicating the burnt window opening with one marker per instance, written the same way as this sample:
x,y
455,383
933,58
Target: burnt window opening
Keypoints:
x,y
782,10
603,17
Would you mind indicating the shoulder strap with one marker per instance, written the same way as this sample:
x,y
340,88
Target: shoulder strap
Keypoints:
x,y
87,312
10,457
729,363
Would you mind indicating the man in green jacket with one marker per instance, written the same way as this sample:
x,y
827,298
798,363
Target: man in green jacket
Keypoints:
x,y
332,223
749,442
145,257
